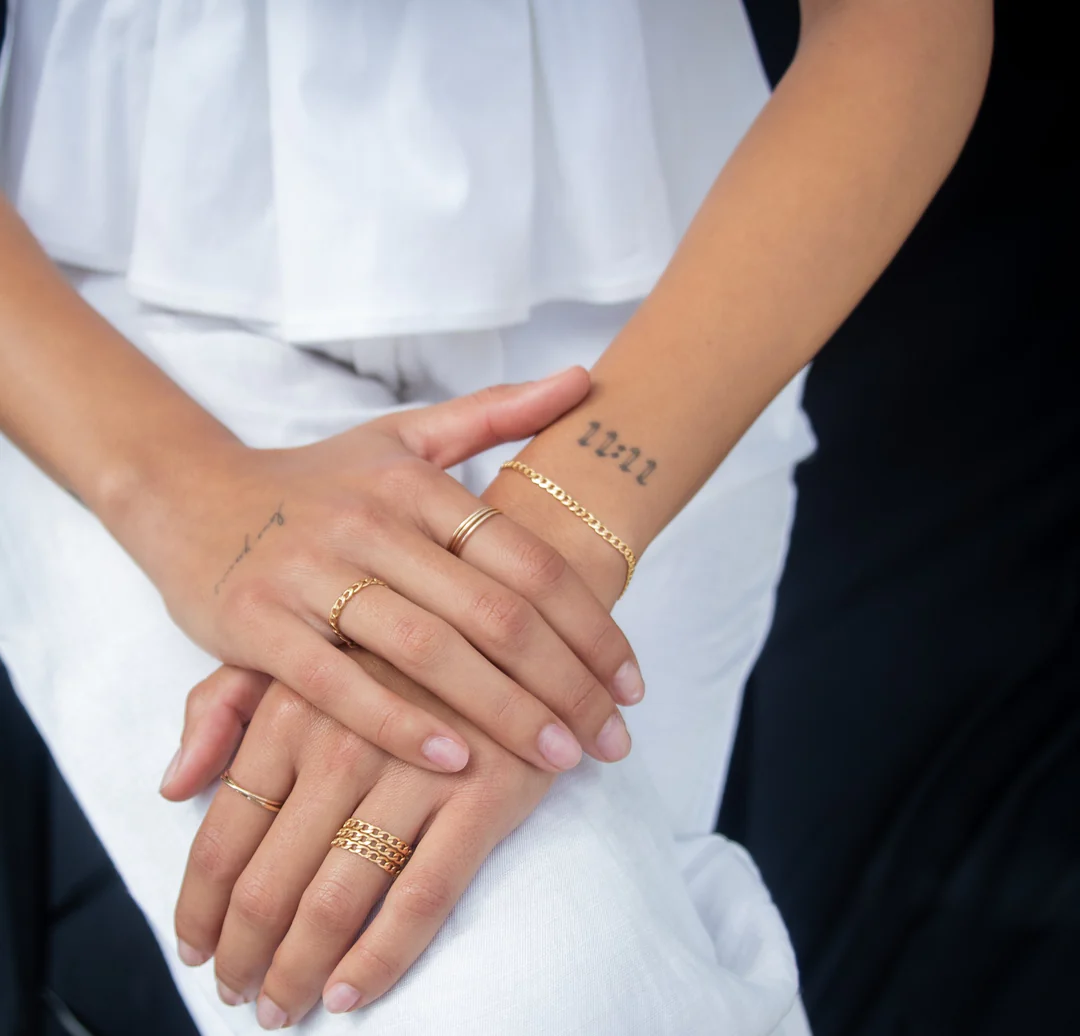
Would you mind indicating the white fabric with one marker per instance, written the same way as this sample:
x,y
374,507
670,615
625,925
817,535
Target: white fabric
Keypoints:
x,y
279,161
340,171
612,911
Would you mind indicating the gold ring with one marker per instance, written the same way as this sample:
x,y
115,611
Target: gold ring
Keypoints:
x,y
270,804
374,844
468,527
364,828
348,595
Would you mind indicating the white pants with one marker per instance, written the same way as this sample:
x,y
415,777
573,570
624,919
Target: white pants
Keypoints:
x,y
612,910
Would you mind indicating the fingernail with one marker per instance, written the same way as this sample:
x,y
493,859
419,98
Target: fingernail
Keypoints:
x,y
269,1015
628,684
558,747
230,996
445,753
340,998
170,770
613,739
189,955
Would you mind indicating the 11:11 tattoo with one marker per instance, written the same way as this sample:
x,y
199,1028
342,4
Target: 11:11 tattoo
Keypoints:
x,y
604,449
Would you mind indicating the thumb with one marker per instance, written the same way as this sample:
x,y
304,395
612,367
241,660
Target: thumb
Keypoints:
x,y
448,433
217,711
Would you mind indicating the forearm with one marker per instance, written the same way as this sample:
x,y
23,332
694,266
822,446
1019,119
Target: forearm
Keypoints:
x,y
78,398
806,214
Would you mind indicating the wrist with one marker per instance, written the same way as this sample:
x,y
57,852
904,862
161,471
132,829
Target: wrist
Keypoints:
x,y
159,481
600,565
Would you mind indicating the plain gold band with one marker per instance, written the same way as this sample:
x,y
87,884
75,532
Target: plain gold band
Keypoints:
x,y
344,599
468,527
574,507
373,844
259,800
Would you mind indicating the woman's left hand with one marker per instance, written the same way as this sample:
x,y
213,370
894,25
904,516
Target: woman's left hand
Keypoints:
x,y
267,896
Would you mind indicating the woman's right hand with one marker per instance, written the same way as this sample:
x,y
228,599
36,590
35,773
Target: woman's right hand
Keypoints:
x,y
262,542
267,895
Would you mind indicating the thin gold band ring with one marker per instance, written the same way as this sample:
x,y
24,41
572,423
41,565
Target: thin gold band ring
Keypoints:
x,y
269,804
468,527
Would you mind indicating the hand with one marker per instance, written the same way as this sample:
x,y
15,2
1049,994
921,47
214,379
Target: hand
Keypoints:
x,y
512,639
266,895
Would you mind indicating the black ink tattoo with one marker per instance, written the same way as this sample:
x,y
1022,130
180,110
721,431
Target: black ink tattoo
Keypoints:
x,y
594,427
605,450
609,438
650,467
277,518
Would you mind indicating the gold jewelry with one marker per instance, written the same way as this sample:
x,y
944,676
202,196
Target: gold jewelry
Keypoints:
x,y
269,804
378,859
574,507
374,844
468,527
364,828
348,595
384,852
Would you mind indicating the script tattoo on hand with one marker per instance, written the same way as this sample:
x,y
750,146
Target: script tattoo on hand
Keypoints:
x,y
610,447
277,518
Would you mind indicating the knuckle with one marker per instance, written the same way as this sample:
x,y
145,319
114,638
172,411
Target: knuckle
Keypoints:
x,y
209,856
426,896
505,618
510,705
605,640
288,981
542,566
284,712
318,676
345,754
255,902
304,560
418,642
485,799
379,969
228,975
247,603
332,908
357,520
387,728
405,479
583,697
205,690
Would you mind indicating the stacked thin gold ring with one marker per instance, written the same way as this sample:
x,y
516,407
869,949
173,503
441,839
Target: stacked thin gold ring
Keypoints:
x,y
344,599
373,843
270,804
468,527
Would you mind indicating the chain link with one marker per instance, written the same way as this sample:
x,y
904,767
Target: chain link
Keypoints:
x,y
575,508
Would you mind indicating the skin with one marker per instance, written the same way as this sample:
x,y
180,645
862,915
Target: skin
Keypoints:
x,y
805,215
268,539
264,894
803,218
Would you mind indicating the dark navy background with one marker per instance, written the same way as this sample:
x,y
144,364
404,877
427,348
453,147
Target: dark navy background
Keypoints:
x,y
907,768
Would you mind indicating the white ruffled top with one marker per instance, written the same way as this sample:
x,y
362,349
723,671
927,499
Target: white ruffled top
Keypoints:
x,y
347,168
